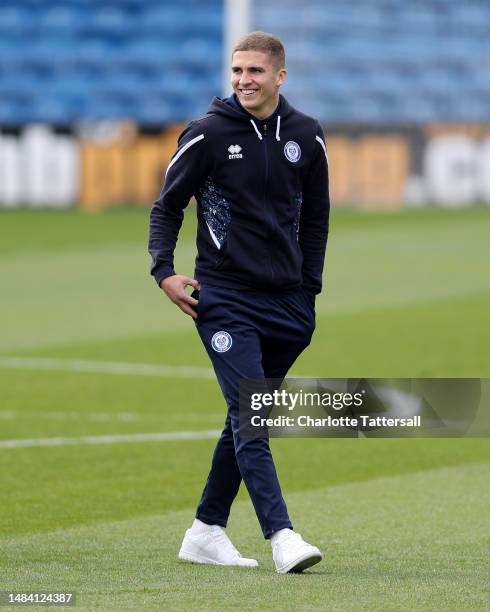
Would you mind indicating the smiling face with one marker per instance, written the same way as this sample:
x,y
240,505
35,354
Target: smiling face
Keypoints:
x,y
256,79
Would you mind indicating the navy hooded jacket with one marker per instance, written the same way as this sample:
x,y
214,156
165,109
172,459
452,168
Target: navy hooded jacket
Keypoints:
x,y
261,188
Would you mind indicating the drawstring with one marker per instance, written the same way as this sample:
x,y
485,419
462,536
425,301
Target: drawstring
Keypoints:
x,y
256,129
277,128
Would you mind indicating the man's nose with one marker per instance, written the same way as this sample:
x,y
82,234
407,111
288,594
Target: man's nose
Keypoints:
x,y
244,79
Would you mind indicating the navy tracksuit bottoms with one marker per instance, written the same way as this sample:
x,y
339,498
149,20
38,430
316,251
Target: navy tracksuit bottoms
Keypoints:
x,y
256,336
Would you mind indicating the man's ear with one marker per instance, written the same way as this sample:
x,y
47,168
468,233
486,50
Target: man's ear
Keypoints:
x,y
281,77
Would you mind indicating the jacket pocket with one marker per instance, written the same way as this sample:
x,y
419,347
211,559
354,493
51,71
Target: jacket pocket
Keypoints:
x,y
200,308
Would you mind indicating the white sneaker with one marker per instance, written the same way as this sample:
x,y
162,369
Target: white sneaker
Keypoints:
x,y
212,546
292,554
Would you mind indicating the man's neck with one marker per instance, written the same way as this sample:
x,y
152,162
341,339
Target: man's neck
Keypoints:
x,y
268,112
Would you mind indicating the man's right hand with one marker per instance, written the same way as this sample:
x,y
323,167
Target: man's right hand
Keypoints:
x,y
174,287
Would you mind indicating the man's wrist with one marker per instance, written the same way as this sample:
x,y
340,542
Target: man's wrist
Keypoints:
x,y
162,282
161,274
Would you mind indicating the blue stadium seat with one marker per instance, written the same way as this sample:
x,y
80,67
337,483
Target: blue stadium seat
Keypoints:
x,y
15,19
110,20
60,19
156,111
200,53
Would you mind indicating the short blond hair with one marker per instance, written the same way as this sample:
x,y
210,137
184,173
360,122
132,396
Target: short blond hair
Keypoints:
x,y
265,42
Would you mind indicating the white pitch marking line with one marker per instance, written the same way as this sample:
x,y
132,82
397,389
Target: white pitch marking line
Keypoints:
x,y
162,436
106,367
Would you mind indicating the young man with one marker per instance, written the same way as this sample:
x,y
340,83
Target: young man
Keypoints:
x,y
258,170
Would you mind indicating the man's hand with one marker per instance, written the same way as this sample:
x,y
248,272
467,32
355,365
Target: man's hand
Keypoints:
x,y
174,287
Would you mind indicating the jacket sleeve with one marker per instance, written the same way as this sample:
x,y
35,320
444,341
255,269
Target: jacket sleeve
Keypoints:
x,y
315,211
186,173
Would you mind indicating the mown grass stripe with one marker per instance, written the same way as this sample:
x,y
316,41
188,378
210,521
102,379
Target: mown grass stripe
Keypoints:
x,y
105,367
162,436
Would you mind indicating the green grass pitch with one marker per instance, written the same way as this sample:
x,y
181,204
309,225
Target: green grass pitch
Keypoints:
x,y
403,523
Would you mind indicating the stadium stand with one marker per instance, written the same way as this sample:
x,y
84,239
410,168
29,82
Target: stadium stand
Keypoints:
x,y
385,61
62,62
159,62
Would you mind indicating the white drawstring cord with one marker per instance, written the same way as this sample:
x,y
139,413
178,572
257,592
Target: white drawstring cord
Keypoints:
x,y
256,129
278,127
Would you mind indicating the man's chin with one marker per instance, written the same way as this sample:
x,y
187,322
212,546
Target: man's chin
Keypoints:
x,y
247,102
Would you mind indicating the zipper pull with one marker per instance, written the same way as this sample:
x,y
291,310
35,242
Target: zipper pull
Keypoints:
x,y
265,129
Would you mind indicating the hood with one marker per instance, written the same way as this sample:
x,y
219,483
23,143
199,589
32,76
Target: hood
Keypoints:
x,y
231,108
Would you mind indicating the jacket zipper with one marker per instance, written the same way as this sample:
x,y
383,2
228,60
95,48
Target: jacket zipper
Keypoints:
x,y
266,197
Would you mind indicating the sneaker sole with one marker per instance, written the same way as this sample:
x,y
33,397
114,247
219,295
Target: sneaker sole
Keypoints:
x,y
192,558
300,564
186,556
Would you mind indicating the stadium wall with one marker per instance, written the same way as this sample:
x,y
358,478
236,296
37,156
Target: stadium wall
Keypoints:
x,y
372,168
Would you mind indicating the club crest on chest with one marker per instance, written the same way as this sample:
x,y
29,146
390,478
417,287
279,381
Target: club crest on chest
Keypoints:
x,y
292,151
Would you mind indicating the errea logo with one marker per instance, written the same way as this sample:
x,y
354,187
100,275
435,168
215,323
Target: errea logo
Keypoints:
x,y
234,152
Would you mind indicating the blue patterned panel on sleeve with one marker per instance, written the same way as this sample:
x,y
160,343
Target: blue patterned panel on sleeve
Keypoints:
x,y
216,211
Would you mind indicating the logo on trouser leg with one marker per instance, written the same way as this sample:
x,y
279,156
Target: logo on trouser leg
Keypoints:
x,y
221,342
